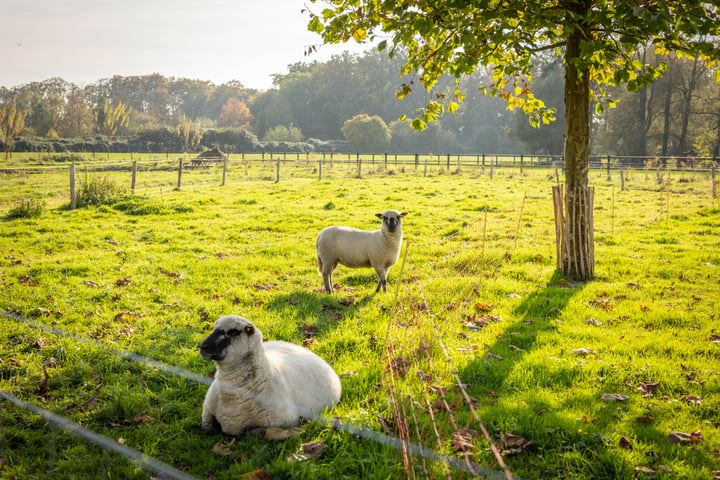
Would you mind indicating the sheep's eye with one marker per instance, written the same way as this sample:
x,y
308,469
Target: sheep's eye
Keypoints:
x,y
232,333
249,330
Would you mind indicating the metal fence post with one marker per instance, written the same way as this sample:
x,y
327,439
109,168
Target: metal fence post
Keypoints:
x,y
180,170
73,197
134,177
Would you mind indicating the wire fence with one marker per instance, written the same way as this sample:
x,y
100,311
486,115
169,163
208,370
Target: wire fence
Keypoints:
x,y
58,183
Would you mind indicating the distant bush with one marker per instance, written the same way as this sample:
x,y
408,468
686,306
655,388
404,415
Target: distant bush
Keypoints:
x,y
99,191
31,208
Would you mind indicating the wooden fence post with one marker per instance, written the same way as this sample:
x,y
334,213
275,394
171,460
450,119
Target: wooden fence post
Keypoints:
x,y
73,196
425,172
714,182
180,170
608,167
134,177
320,162
359,165
622,180
448,162
277,171
225,162
417,160
491,169
522,161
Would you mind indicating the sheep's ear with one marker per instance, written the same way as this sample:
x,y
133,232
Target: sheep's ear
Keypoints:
x,y
379,215
403,214
249,330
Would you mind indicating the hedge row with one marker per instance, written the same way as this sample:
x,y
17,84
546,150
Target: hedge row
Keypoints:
x,y
165,140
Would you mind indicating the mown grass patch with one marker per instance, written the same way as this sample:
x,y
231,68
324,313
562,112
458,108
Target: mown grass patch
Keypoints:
x,y
149,275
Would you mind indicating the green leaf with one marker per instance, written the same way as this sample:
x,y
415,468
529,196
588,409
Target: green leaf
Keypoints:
x,y
382,46
452,107
315,25
418,124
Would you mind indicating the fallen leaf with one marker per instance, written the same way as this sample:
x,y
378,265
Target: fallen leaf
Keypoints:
x,y
645,470
385,425
625,443
142,418
258,474
484,307
90,403
645,419
517,349
512,444
44,385
126,332
282,434
493,356
40,343
715,338
91,283
613,397
122,315
592,321
222,448
122,282
648,387
583,351
308,451
462,439
680,437
348,301
307,329
691,399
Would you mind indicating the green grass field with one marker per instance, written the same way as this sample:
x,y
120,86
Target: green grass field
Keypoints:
x,y
149,275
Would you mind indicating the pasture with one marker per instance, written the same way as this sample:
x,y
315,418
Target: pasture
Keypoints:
x,y
615,378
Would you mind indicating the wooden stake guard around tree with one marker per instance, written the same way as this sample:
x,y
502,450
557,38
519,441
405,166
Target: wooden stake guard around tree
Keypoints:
x,y
574,242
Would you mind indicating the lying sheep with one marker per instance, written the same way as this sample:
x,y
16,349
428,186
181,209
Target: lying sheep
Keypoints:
x,y
355,248
260,384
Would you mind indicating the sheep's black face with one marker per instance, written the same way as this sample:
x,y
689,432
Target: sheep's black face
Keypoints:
x,y
215,347
392,220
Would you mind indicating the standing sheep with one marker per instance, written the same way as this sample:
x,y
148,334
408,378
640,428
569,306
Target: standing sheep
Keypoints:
x,y
260,384
355,248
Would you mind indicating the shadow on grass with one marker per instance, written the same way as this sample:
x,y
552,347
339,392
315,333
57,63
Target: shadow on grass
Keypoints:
x,y
534,399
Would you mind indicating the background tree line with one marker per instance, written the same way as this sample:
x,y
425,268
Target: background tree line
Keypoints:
x,y
349,103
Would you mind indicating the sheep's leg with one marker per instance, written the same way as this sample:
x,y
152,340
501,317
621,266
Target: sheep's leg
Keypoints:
x,y
382,281
327,277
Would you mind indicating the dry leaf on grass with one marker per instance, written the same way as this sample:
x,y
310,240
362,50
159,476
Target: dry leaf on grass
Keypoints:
x,y
680,437
613,397
223,448
583,351
625,443
282,433
462,439
512,444
308,451
258,474
648,387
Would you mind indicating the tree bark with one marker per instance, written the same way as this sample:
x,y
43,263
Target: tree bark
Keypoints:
x,y
577,262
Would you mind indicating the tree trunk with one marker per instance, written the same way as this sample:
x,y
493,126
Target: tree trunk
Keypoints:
x,y
577,260
683,146
666,121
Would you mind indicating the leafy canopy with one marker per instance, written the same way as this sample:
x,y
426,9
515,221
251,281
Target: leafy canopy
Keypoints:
x,y
455,36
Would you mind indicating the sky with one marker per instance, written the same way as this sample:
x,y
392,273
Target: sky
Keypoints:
x,y
83,41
